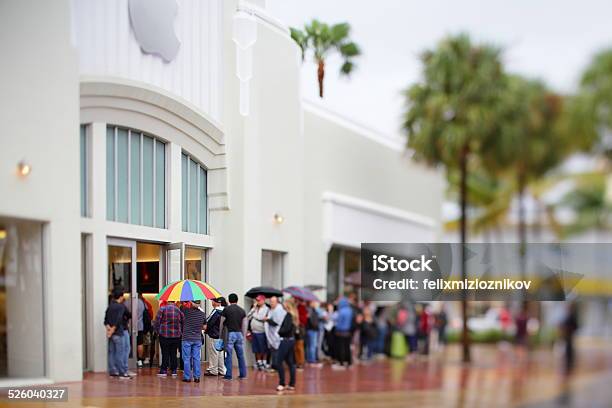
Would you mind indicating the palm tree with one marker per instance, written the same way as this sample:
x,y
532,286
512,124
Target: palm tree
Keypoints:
x,y
588,201
450,112
530,142
596,89
322,39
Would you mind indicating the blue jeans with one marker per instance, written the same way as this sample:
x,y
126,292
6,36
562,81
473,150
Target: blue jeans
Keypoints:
x,y
285,354
380,340
235,340
312,344
191,352
118,353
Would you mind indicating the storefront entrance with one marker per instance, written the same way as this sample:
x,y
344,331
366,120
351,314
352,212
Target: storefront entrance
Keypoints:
x,y
142,269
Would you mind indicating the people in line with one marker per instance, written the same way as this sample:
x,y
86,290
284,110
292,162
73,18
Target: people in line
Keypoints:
x,y
424,328
271,327
169,326
328,347
368,334
441,321
312,334
193,324
343,335
216,363
256,319
143,323
338,331
116,321
287,331
569,327
234,322
300,354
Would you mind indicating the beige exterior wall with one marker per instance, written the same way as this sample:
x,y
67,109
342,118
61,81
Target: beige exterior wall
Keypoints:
x,y
315,171
373,175
40,117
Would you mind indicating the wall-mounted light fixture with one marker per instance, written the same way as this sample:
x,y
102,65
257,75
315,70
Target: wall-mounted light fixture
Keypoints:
x,y
2,233
23,168
278,218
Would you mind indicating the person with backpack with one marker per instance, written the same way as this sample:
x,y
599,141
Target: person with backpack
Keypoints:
x,y
368,333
312,334
169,326
191,344
256,328
343,324
234,321
216,363
286,350
141,310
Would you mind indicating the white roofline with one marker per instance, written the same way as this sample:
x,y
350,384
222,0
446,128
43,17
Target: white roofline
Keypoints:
x,y
263,15
378,209
394,142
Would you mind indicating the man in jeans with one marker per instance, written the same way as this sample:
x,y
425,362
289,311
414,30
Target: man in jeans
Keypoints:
x,y
216,365
169,326
193,323
233,320
115,320
312,334
256,318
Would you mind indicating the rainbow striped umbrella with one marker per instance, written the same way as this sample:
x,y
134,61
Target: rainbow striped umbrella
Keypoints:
x,y
187,289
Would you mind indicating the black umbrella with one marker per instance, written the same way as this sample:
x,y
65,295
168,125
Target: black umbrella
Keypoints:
x,y
267,291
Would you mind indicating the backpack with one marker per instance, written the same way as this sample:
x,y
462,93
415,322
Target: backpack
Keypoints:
x,y
313,319
287,328
146,321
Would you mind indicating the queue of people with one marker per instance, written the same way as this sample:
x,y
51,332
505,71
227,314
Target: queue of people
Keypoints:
x,y
283,335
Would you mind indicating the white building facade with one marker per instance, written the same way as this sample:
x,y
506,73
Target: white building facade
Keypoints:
x,y
137,157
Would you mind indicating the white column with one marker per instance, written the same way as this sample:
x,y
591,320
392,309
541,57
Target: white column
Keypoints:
x,y
97,302
97,179
97,295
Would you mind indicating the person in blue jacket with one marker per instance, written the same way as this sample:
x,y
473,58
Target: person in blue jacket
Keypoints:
x,y
343,323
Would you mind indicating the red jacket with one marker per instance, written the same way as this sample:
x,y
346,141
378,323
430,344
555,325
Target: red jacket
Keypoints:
x,y
302,314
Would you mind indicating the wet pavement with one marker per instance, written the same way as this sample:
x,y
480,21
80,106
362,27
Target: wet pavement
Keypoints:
x,y
498,377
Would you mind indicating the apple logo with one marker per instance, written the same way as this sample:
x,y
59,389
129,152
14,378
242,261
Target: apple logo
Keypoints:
x,y
153,25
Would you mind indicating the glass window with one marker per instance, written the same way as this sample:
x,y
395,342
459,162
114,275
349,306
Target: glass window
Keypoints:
x,y
110,173
194,263
184,184
135,185
122,175
203,204
22,351
160,184
135,178
194,196
147,179
84,165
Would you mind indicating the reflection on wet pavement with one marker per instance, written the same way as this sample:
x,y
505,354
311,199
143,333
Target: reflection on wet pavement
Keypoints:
x,y
497,377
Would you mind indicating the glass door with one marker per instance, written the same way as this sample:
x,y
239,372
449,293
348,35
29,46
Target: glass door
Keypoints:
x,y
122,273
175,261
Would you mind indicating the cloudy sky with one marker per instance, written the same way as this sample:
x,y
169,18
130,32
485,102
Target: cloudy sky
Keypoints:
x,y
549,39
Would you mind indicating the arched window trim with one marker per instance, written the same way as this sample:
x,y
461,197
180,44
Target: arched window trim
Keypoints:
x,y
153,111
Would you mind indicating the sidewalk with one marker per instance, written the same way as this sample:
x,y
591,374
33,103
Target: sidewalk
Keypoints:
x,y
496,378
